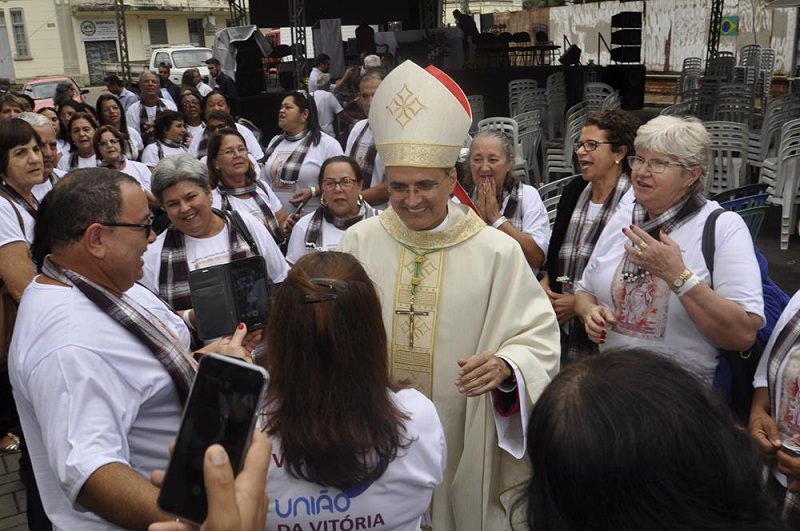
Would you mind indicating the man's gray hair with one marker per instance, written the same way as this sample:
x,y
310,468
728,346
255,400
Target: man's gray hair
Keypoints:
x,y
685,139
172,170
148,72
35,119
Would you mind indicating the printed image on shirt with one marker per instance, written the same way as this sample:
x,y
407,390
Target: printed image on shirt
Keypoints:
x,y
361,153
275,171
789,397
640,307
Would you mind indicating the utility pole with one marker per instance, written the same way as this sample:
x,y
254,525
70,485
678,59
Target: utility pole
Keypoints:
x,y
122,39
297,21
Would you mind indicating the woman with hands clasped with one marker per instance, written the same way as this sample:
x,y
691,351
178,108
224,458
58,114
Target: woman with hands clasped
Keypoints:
x,y
502,200
647,285
775,413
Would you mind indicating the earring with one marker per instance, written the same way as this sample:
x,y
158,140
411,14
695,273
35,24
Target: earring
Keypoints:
x,y
322,201
360,200
616,162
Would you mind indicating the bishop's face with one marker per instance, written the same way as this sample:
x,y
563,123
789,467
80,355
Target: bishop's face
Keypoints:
x,y
419,196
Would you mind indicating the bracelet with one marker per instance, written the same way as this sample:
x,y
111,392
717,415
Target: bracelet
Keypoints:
x,y
185,317
691,282
313,191
499,221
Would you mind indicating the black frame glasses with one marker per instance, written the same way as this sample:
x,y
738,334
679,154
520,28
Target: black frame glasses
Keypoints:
x,y
146,227
590,145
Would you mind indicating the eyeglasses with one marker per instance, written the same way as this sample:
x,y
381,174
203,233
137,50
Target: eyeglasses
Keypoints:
x,y
346,184
146,227
230,152
422,187
189,103
110,142
590,145
655,165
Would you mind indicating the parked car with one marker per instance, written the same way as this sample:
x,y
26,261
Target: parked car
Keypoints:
x,y
180,59
43,89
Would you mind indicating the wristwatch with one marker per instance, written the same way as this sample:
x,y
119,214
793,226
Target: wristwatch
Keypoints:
x,y
680,280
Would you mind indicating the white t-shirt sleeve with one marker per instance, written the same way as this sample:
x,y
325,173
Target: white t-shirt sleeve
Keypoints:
x,y
535,221
136,140
277,268
332,147
10,231
250,140
150,155
760,378
297,241
152,263
66,388
132,117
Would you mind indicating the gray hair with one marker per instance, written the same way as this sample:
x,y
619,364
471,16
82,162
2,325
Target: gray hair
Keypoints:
x,y
686,139
172,170
506,141
34,118
146,72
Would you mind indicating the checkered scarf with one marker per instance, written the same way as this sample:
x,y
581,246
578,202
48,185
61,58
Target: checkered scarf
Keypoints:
x,y
314,231
169,143
161,341
143,118
575,251
368,164
13,194
173,277
291,168
265,213
786,340
113,165
669,220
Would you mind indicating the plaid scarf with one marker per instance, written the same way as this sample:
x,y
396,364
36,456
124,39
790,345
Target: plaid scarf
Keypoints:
x,y
368,164
173,277
13,194
314,231
291,168
143,119
202,146
169,143
265,213
786,340
669,220
578,247
113,165
161,341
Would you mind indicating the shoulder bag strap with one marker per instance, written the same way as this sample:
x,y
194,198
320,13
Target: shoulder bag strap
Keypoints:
x,y
709,242
242,230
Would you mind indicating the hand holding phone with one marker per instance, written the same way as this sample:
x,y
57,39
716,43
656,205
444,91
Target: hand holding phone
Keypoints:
x,y
226,396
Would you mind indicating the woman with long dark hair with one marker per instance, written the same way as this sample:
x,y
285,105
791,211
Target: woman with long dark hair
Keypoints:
x,y
349,443
110,112
294,157
81,128
216,101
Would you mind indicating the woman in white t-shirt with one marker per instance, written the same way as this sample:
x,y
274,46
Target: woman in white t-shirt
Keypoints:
x,y
232,176
108,144
191,106
198,235
293,158
585,206
349,446
647,285
342,206
170,134
81,128
110,112
21,168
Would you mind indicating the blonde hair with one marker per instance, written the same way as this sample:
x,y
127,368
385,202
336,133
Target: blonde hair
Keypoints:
x,y
686,139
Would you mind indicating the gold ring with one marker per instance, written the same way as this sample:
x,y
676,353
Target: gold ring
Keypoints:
x,y
642,246
638,252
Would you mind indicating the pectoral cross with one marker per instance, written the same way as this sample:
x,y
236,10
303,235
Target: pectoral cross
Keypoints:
x,y
411,313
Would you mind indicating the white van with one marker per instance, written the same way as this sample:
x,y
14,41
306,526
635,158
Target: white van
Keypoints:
x,y
180,59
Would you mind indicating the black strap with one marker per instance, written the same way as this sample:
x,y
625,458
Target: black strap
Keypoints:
x,y
709,245
242,230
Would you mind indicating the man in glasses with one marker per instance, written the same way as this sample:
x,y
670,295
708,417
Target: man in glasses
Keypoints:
x,y
99,365
467,322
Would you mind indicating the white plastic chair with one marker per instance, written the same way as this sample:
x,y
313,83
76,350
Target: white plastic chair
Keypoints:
x,y
727,164
551,194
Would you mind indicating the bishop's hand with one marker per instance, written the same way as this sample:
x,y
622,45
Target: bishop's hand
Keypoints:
x,y
481,373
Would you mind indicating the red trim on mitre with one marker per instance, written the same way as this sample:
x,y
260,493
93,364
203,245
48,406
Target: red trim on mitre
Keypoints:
x,y
452,86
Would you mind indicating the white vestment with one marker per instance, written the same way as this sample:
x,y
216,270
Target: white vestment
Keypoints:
x,y
475,293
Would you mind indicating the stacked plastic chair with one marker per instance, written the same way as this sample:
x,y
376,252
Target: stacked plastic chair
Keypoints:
x,y
780,174
727,167
510,127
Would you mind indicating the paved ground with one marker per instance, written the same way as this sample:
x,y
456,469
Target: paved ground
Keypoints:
x,y
12,495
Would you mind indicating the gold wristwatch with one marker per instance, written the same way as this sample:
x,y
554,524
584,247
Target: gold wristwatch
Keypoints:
x,y
680,280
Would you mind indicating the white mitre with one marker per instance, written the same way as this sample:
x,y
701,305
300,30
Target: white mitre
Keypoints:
x,y
419,117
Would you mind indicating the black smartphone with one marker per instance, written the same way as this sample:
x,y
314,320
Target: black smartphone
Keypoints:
x,y
223,403
301,206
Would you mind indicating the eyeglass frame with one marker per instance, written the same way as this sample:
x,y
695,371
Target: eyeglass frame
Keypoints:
x,y
331,185
632,161
597,143
147,228
408,187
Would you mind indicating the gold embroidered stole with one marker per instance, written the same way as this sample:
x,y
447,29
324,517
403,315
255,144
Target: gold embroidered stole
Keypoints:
x,y
417,292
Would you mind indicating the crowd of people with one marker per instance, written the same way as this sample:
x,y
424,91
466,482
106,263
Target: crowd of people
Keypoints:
x,y
441,355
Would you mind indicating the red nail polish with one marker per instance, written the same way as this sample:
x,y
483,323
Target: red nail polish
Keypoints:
x,y
241,326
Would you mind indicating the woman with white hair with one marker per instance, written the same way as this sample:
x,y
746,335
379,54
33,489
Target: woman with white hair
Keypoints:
x,y
647,284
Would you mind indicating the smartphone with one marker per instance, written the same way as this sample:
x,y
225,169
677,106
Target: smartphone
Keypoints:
x,y
790,448
301,206
225,398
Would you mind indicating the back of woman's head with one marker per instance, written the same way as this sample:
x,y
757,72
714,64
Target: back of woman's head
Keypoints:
x,y
631,441
306,103
328,399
